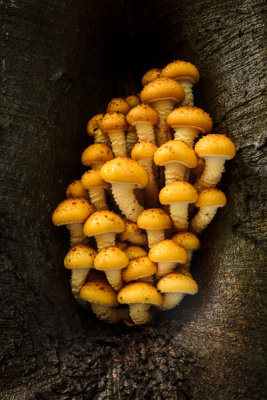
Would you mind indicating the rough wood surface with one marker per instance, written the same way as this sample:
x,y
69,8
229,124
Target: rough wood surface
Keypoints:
x,y
61,62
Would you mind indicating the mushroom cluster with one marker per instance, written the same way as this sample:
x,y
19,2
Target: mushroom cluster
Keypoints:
x,y
132,236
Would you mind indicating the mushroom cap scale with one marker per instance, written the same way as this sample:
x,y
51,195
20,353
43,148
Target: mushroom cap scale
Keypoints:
x,y
76,189
135,252
79,256
154,218
102,222
142,113
143,149
168,251
118,105
113,121
211,197
92,178
151,75
180,191
215,144
110,258
139,292
139,268
181,69
162,88
190,116
96,153
188,240
175,150
177,282
93,124
100,292
71,211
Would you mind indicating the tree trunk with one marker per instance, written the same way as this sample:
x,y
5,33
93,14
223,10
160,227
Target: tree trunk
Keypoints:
x,y
61,63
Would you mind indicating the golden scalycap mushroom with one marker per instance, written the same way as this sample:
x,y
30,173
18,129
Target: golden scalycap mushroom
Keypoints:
x,y
96,155
143,149
154,221
79,256
139,268
133,234
211,197
76,190
115,124
118,105
133,100
135,252
94,130
151,75
71,211
181,69
142,113
189,241
96,186
161,88
100,292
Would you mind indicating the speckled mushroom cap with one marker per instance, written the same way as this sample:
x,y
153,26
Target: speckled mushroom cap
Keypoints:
x,y
180,191
102,222
135,252
93,124
143,149
211,197
139,268
142,113
72,211
118,105
151,75
113,121
133,100
154,218
92,178
190,116
139,292
177,282
168,251
175,150
76,189
181,69
100,292
124,170
96,153
162,88
79,256
188,240
110,258
214,144
130,229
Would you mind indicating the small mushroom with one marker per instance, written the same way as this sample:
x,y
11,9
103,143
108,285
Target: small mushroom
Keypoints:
x,y
133,100
96,155
135,252
151,75
143,118
118,105
96,186
154,221
94,130
131,136
76,190
114,124
133,234
189,241
140,269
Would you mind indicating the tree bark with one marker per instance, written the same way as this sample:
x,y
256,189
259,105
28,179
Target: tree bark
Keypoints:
x,y
61,63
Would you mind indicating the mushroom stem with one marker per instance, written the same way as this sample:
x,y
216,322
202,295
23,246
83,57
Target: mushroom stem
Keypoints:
x,y
101,137
105,240
202,219
78,276
151,190
174,171
179,213
140,313
118,143
145,131
214,167
114,278
109,314
171,300
154,236
164,268
126,201
186,134
131,139
97,197
163,107
187,85
76,233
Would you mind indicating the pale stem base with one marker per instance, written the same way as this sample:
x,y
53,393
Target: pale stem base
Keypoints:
x,y
171,300
214,167
101,137
105,240
118,143
114,278
203,218
97,197
155,236
125,199
163,107
188,91
186,134
139,313
78,277
174,171
145,131
76,233
131,140
165,268
179,215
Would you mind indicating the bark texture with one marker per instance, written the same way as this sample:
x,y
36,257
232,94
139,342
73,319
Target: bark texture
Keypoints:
x,y
61,63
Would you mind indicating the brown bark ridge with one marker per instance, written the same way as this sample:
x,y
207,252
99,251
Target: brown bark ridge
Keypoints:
x,y
61,62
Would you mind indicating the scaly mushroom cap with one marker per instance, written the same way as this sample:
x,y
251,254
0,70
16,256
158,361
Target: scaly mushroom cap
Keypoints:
x,y
135,252
72,211
211,197
76,189
214,144
118,105
92,178
181,69
142,113
113,121
154,218
178,192
190,116
177,282
162,88
79,256
151,75
168,251
110,258
175,150
139,268
93,124
139,292
124,170
96,153
133,100
100,292
143,149
103,222
188,240
130,229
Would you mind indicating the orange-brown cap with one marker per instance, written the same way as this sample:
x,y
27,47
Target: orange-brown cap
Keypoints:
x,y
154,218
162,88
168,250
178,192
211,197
113,121
99,291
79,256
151,75
175,282
92,178
135,252
96,153
188,240
133,100
102,222
93,124
124,170
190,116
139,268
175,150
181,69
110,258
72,211
214,144
143,149
142,113
76,189
130,229
118,105
139,292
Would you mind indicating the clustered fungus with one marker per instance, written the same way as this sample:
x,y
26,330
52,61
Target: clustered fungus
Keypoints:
x,y
142,253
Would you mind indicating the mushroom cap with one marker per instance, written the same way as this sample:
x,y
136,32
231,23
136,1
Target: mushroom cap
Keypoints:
x,y
139,268
100,292
110,258
181,69
143,149
188,240
124,170
72,210
96,153
121,245
154,218
177,282
92,178
151,75
118,105
93,124
113,121
214,144
130,229
162,88
139,292
142,113
79,256
175,150
135,252
133,100
168,251
76,189
190,116
211,197
103,222
178,192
